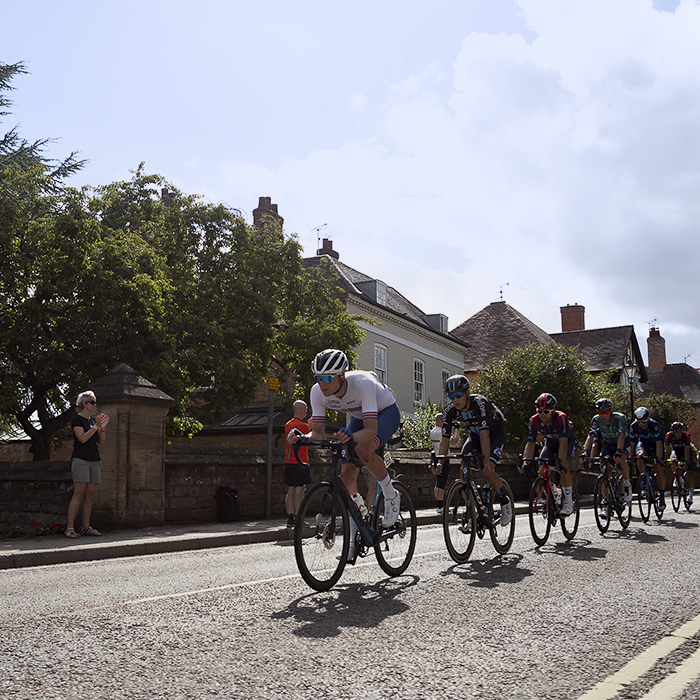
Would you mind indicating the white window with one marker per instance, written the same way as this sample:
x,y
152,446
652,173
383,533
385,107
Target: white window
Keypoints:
x,y
443,323
418,382
445,376
380,361
381,293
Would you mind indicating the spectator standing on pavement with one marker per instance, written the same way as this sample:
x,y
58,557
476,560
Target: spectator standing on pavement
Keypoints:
x,y
296,473
89,433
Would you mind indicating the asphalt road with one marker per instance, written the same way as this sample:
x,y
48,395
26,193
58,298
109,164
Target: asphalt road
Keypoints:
x,y
238,622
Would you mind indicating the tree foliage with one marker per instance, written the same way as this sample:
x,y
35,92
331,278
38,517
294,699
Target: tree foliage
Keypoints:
x,y
183,291
515,382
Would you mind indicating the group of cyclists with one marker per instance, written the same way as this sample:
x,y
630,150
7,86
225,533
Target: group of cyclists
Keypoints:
x,y
375,417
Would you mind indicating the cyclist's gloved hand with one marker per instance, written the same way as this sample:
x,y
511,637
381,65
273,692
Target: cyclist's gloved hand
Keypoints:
x,y
303,439
347,433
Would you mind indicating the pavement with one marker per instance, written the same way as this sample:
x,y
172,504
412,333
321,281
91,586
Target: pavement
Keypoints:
x,y
22,552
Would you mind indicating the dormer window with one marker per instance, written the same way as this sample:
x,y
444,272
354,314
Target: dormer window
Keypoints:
x,y
381,293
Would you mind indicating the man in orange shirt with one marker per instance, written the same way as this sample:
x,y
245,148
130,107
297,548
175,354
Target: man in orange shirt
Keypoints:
x,y
296,474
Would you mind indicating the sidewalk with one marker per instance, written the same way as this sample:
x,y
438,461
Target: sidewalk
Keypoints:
x,y
55,549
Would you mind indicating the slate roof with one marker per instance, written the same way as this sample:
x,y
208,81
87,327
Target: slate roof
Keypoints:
x,y
357,283
493,331
677,380
604,348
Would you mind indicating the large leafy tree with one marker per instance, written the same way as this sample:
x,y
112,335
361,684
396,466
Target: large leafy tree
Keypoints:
x,y
184,291
515,382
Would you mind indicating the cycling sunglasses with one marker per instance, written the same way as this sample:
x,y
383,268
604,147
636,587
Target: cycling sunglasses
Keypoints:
x,y
544,412
456,395
605,412
325,378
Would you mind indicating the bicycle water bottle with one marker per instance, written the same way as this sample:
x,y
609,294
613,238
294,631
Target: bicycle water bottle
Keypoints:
x,y
557,493
360,503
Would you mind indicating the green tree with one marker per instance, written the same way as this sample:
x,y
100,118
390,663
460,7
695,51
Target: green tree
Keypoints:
x,y
515,382
183,291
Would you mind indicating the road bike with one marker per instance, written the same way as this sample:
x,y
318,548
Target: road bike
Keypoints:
x,y
648,494
470,509
607,496
546,500
322,529
680,491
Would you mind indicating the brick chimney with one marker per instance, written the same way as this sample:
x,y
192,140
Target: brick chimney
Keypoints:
x,y
656,347
327,249
572,318
266,210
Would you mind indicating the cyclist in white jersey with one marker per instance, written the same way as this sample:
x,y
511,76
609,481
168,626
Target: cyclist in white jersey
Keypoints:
x,y
375,417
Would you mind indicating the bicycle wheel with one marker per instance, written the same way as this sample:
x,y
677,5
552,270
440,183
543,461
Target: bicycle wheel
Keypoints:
x,y
394,553
656,501
687,501
644,497
459,522
676,491
321,540
601,503
538,511
569,523
501,535
624,515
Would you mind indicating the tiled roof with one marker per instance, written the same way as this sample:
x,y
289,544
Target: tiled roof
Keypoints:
x,y
604,348
677,380
357,283
493,331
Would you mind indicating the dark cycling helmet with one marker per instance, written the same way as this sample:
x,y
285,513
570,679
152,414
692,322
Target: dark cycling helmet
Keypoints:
x,y
457,382
330,362
677,425
545,402
602,404
642,413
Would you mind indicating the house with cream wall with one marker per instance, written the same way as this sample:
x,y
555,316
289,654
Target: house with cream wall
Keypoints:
x,y
412,352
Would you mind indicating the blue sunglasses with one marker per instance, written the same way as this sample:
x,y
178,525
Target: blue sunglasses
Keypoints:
x,y
325,378
456,395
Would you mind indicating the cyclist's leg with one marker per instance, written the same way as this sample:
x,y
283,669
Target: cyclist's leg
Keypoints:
x,y
440,483
567,480
388,422
488,471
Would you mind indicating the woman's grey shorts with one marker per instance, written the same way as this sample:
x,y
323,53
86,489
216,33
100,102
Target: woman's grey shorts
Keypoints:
x,y
86,472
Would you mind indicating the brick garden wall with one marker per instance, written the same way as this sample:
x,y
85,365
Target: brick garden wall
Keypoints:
x,y
40,491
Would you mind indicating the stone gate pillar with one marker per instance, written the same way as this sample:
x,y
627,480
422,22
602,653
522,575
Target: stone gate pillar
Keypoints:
x,y
133,456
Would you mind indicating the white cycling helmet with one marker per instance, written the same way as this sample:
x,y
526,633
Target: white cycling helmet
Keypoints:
x,y
641,413
330,362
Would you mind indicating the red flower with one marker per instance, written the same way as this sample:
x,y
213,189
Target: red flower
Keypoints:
x,y
33,524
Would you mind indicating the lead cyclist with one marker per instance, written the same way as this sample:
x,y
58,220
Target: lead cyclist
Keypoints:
x,y
374,418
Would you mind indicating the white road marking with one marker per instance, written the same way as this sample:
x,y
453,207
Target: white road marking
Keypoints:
x,y
637,667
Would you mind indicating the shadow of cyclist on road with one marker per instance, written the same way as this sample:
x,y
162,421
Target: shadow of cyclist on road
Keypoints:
x,y
577,549
490,573
322,615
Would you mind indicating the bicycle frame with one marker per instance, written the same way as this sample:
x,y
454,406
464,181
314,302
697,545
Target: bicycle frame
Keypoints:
x,y
367,528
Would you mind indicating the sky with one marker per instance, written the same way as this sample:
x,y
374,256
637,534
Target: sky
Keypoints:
x,y
543,152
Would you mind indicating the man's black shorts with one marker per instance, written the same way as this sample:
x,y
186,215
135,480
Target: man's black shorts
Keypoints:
x,y
296,474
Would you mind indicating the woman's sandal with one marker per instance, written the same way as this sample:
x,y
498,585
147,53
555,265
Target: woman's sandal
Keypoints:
x,y
90,531
70,532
